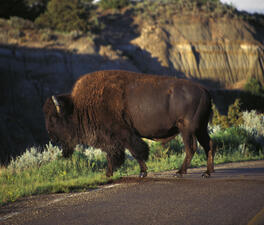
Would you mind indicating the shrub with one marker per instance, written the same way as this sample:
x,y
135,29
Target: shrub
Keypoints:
x,y
234,139
20,23
253,122
160,151
47,35
36,7
33,157
234,115
16,33
113,4
233,118
75,34
4,39
65,15
254,87
10,8
218,119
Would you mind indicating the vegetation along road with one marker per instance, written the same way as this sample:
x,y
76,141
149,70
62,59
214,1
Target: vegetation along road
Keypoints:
x,y
233,195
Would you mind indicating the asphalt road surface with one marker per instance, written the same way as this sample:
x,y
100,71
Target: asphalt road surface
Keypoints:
x,y
233,195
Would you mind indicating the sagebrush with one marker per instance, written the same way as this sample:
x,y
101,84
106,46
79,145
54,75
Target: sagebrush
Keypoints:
x,y
44,170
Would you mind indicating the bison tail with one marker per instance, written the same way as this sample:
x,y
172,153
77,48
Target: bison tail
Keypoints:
x,y
204,111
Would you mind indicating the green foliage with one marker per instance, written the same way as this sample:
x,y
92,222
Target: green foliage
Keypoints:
x,y
235,139
164,9
36,7
20,23
254,87
16,34
113,4
36,2
37,172
47,35
10,8
233,117
33,157
65,15
254,123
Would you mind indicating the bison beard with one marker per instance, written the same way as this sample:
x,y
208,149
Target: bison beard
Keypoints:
x,y
113,110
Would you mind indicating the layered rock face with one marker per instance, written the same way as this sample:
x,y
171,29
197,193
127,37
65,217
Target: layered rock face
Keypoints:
x,y
222,51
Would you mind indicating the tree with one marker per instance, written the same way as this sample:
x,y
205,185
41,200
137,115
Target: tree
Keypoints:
x,y
37,2
13,8
113,4
65,15
36,7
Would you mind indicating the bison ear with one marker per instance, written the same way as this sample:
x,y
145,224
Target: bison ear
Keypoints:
x,y
56,103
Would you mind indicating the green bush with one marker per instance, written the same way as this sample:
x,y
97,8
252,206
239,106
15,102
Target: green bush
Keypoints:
x,y
20,23
234,116
254,87
113,4
37,172
47,35
65,15
235,139
253,123
16,33
33,158
10,8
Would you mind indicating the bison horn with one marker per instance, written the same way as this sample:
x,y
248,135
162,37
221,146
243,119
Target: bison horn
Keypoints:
x,y
56,103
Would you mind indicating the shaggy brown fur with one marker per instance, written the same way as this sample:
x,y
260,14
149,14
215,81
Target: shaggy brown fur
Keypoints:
x,y
113,110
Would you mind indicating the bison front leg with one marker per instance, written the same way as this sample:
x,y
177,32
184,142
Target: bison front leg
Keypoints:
x,y
115,158
190,144
109,170
140,151
67,150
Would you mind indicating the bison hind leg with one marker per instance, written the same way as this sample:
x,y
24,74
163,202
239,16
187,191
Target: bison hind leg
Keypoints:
x,y
206,142
190,144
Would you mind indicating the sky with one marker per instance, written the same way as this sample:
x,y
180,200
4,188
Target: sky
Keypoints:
x,y
251,6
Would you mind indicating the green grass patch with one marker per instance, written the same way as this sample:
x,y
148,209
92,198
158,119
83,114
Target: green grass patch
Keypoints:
x,y
45,171
71,175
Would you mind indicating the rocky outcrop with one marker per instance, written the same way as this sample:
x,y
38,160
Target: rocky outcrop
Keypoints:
x,y
222,51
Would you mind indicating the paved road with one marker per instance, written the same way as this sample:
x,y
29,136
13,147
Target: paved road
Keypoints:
x,y
234,195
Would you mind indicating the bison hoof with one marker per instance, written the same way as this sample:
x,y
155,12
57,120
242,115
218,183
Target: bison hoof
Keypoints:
x,y
206,175
143,174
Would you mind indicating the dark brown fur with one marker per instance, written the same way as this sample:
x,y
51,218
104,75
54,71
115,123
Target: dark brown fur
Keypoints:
x,y
113,110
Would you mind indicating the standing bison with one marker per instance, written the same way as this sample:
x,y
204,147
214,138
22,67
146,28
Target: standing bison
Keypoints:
x,y
113,110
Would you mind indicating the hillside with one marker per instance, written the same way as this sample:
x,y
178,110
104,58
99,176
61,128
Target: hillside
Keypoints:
x,y
210,42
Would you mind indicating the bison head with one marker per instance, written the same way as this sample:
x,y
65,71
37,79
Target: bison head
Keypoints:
x,y
58,111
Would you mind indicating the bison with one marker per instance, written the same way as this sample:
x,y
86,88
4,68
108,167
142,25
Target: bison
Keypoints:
x,y
114,110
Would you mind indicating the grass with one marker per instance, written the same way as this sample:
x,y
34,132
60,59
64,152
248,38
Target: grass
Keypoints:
x,y
79,174
40,171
